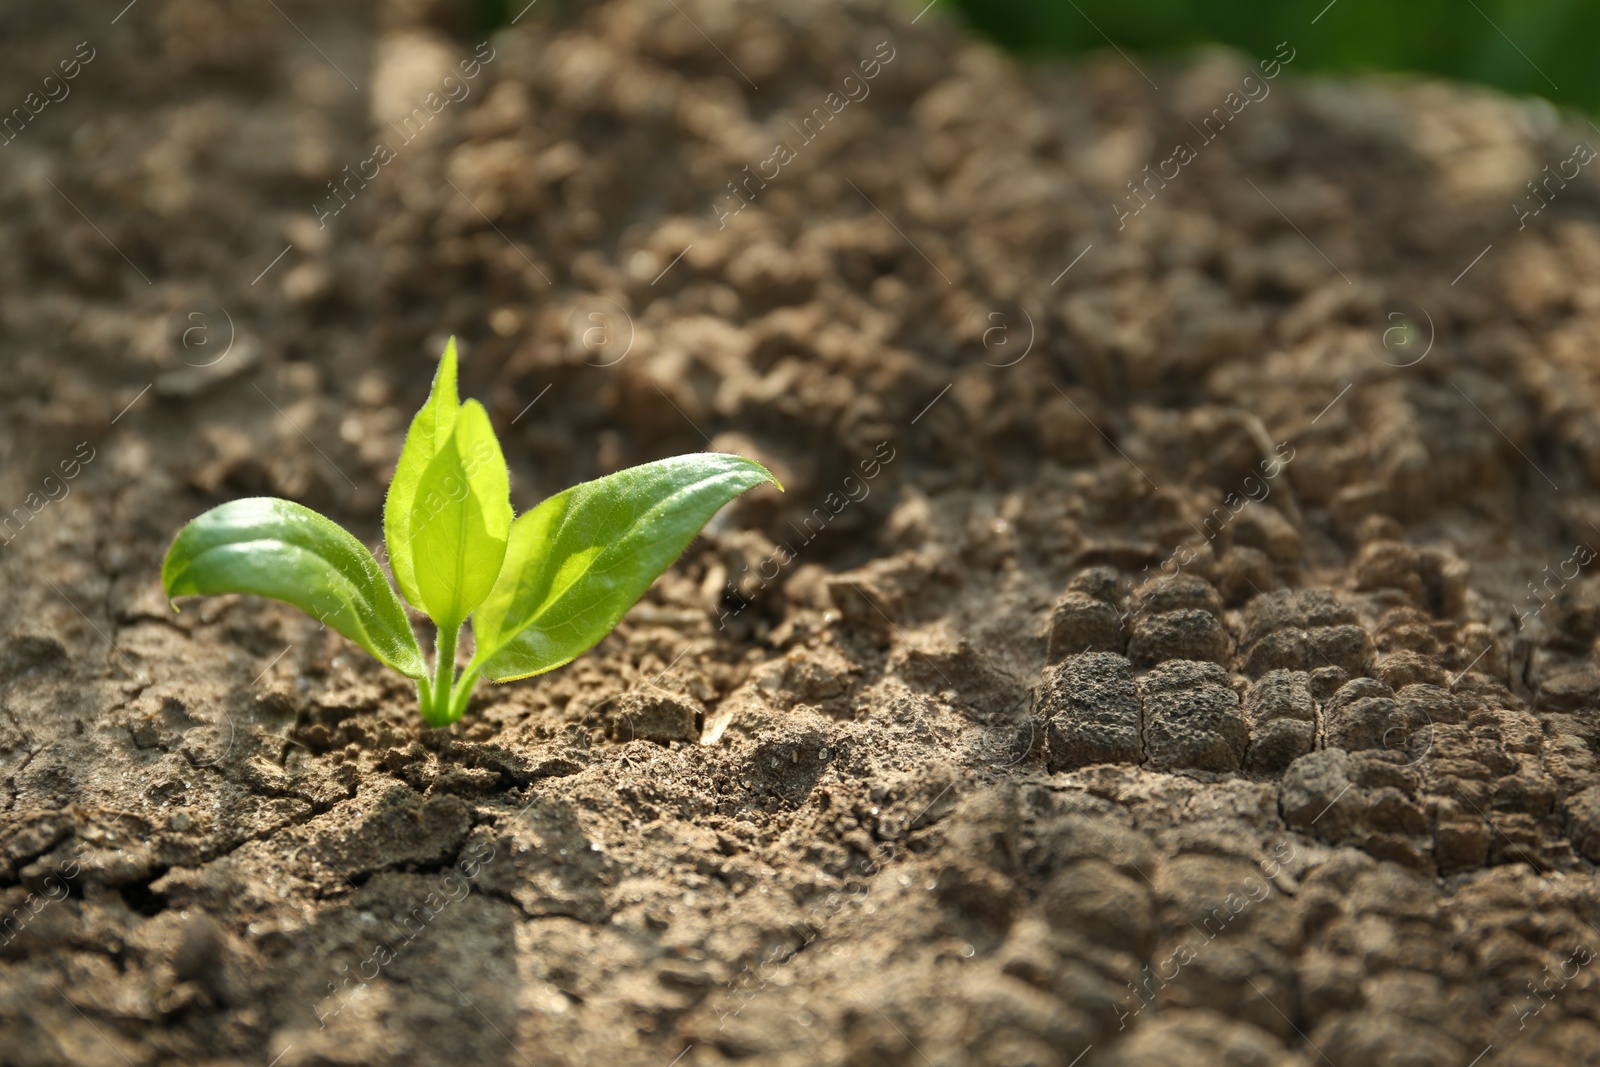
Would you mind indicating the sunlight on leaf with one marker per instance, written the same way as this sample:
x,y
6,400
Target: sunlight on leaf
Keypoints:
x,y
280,549
578,561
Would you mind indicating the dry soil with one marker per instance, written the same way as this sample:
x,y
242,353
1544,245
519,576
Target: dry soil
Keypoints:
x,y
1175,645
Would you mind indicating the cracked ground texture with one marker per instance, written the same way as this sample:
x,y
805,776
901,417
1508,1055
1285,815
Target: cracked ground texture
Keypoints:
x,y
1154,659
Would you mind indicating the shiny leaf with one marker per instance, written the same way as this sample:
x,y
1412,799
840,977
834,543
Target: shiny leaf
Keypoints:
x,y
579,561
460,520
431,430
280,549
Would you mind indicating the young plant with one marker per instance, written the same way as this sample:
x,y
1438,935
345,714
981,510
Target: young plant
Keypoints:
x,y
540,590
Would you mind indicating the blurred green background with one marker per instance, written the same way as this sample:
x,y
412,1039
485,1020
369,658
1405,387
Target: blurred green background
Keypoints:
x,y
1548,48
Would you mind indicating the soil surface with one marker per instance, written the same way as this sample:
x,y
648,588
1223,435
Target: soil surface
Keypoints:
x,y
1175,644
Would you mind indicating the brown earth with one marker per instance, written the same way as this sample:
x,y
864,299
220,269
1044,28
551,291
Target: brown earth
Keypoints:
x,y
1174,660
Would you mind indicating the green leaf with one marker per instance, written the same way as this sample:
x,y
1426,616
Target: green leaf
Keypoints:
x,y
430,432
579,561
461,519
279,549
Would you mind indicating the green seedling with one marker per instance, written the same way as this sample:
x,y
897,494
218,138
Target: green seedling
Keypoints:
x,y
540,590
